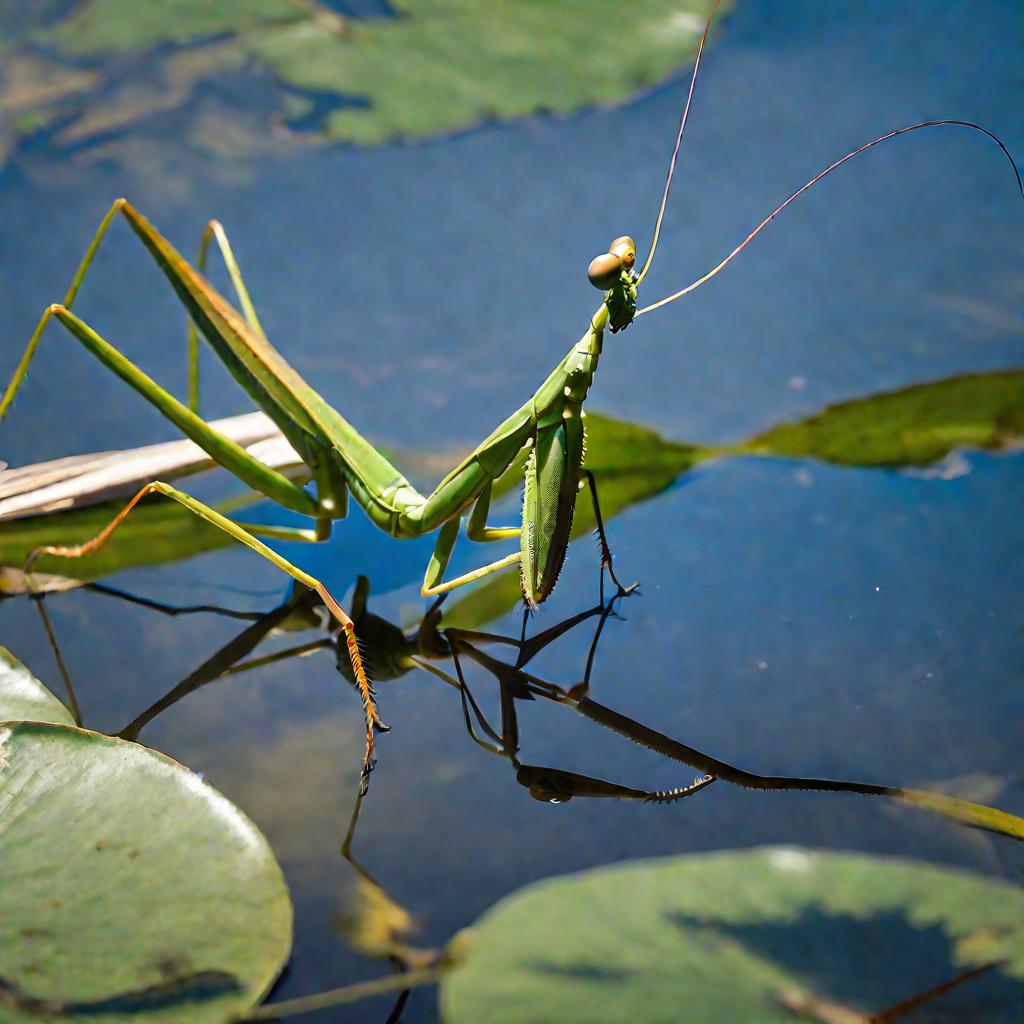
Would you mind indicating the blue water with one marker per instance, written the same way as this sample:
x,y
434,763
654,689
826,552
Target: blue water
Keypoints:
x,y
796,618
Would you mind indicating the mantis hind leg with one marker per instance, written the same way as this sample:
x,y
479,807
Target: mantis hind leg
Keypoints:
x,y
373,720
214,231
227,453
606,551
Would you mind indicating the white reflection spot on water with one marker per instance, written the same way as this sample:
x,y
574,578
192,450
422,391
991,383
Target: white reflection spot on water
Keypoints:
x,y
952,467
684,23
790,859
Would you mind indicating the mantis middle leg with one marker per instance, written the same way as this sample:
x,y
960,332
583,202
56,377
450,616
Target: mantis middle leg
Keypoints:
x,y
214,230
477,530
331,499
606,551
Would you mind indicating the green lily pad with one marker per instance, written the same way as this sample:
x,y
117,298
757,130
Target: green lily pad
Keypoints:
x,y
434,67
726,936
23,697
130,888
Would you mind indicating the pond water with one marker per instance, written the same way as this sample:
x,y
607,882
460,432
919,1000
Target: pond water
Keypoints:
x,y
795,618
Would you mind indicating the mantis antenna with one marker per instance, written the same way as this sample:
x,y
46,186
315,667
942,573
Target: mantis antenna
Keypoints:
x,y
828,170
675,151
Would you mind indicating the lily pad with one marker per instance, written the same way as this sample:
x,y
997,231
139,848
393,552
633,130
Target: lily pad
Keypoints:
x,y
434,67
430,68
23,697
130,887
729,935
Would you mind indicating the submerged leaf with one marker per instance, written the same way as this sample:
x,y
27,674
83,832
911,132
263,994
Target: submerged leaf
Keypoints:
x,y
728,935
130,887
373,924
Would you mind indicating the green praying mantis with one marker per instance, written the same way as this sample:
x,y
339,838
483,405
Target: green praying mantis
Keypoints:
x,y
548,426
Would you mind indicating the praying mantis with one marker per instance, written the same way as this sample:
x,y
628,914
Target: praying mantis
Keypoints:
x,y
548,426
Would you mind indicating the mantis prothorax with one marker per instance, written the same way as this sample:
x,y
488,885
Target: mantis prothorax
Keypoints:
x,y
549,425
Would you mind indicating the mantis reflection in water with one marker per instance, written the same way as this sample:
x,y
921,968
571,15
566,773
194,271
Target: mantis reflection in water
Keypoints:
x,y
393,652
377,926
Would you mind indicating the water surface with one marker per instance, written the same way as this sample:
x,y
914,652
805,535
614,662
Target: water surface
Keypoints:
x,y
795,619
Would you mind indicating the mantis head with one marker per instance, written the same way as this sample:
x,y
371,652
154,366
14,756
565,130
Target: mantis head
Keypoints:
x,y
607,268
612,272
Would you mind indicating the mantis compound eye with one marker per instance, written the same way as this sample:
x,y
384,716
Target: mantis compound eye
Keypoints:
x,y
625,248
604,270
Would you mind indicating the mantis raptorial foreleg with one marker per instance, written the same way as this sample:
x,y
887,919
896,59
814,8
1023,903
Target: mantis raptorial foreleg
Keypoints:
x,y
243,536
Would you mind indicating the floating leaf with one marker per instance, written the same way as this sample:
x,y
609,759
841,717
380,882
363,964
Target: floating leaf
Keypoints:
x,y
910,427
119,26
130,887
434,67
24,698
444,65
725,936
